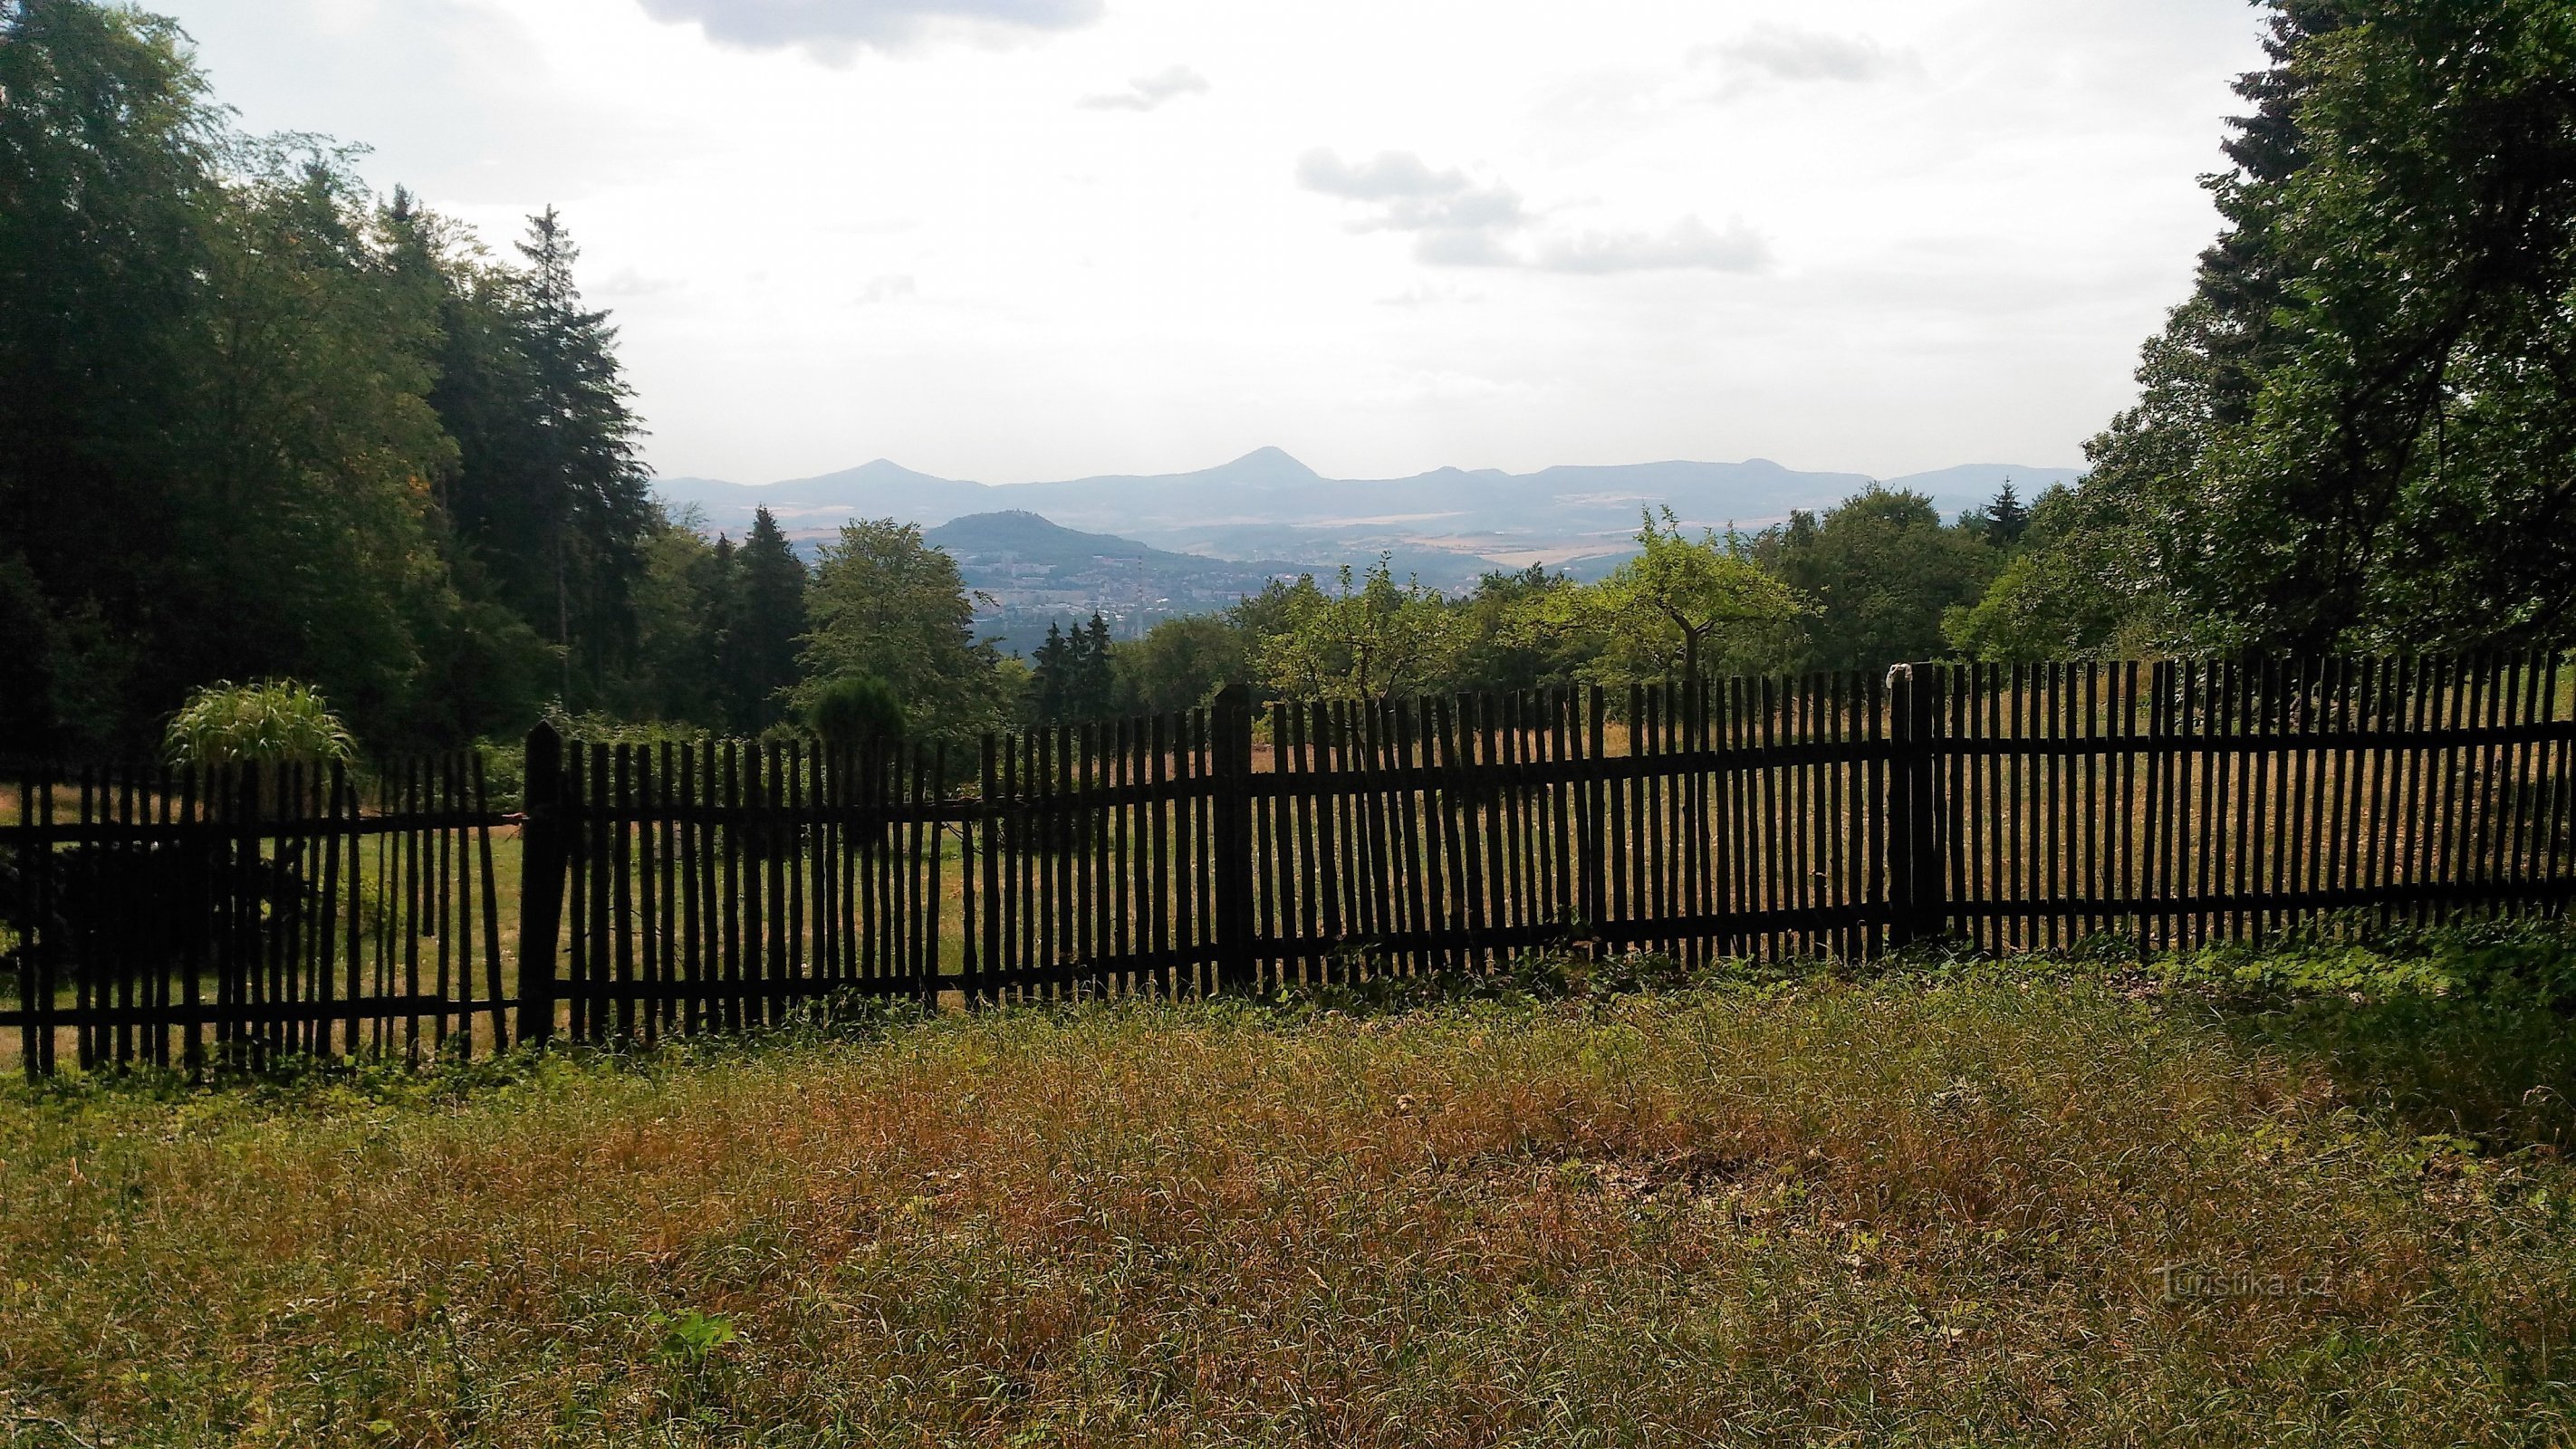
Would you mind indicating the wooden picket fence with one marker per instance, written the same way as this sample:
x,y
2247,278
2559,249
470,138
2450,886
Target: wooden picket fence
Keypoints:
x,y
718,885
182,918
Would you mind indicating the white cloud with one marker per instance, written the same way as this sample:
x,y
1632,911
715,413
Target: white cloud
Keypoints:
x,y
894,287
832,29
1457,222
1392,175
1972,237
1791,54
1688,243
1147,92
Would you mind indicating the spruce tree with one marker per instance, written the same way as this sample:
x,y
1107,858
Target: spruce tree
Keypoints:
x,y
598,507
765,626
2007,518
1051,671
1095,685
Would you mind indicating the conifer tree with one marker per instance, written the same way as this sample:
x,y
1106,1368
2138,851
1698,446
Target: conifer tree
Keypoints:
x,y
2007,518
1072,675
1095,682
765,626
1050,678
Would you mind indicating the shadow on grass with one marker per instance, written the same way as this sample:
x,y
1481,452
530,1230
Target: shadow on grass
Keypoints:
x,y
2464,1030
2460,1030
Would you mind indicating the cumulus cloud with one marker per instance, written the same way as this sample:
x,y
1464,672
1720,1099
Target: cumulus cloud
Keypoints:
x,y
892,287
1392,175
834,28
1784,53
1456,221
1688,243
1146,92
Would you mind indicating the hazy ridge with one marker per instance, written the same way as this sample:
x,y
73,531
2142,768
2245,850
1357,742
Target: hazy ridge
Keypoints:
x,y
1446,525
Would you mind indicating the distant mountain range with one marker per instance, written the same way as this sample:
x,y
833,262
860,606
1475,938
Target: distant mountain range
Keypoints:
x,y
1446,526
1024,560
1033,573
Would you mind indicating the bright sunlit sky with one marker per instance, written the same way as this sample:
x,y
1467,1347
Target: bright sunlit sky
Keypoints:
x,y
1020,239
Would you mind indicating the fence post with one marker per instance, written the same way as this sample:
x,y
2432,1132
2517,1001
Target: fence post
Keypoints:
x,y
1232,727
1916,889
543,859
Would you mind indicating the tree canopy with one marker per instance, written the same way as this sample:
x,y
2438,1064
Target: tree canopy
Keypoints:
x,y
2360,429
257,422
1366,637
888,606
1880,569
1678,610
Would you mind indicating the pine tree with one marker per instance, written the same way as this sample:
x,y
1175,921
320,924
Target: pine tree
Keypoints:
x,y
765,626
1095,685
597,505
2007,518
549,494
1072,676
1050,678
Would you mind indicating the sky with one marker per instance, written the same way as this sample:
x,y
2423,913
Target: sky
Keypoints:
x,y
1021,239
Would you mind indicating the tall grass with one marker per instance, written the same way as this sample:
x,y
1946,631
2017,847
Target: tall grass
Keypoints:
x,y
1987,1209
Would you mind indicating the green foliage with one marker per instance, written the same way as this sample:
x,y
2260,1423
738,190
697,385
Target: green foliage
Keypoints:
x,y
689,1338
272,722
1681,610
597,727
255,422
2456,1030
1366,638
550,491
2004,521
854,711
763,624
682,601
2358,430
2085,587
1880,568
1508,647
1180,664
2522,962
1072,677
885,605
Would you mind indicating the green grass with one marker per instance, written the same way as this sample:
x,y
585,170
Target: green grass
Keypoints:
x,y
1952,1205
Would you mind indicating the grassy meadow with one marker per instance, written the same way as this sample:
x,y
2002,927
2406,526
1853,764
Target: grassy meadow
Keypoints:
x,y
2306,1198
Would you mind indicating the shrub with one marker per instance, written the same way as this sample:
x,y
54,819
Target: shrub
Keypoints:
x,y
272,722
854,710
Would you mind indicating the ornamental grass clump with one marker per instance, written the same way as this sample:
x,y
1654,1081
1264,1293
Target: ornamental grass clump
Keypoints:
x,y
269,724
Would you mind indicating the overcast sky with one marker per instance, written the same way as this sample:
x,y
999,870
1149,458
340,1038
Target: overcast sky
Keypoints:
x,y
1018,239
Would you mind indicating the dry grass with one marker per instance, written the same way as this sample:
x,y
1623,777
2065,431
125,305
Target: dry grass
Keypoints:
x,y
1892,1213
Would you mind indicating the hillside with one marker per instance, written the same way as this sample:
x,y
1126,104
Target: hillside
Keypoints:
x,y
1037,573
1022,559
1447,525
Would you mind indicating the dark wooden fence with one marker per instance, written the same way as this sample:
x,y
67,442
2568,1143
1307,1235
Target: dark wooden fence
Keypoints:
x,y
184,918
718,885
2016,808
